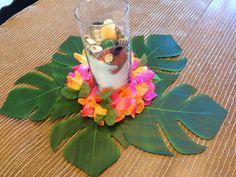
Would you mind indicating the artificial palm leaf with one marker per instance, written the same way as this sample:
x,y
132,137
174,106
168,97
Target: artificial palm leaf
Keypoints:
x,y
161,52
92,149
36,103
64,107
200,114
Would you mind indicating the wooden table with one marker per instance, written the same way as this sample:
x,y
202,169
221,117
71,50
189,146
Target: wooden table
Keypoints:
x,y
206,30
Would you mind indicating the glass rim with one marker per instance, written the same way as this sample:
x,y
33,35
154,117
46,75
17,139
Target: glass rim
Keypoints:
x,y
85,23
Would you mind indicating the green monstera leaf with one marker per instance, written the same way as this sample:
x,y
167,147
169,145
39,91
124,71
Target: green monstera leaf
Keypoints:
x,y
64,60
71,45
65,107
155,46
200,114
92,149
65,55
62,64
160,52
36,103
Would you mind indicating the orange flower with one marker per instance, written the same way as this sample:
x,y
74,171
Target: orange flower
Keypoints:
x,y
140,105
128,101
91,106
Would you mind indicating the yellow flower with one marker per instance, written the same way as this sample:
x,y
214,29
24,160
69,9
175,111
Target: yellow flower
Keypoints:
x,y
75,82
139,70
81,58
99,110
142,88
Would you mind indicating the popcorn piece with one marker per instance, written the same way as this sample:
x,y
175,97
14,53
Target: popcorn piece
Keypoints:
x,y
90,41
95,49
108,21
123,41
108,58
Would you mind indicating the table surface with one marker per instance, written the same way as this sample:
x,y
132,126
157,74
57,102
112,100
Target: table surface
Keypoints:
x,y
205,29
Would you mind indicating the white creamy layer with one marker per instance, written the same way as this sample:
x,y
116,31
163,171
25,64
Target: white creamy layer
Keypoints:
x,y
102,72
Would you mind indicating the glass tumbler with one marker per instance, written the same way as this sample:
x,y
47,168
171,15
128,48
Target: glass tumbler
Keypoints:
x,y
104,29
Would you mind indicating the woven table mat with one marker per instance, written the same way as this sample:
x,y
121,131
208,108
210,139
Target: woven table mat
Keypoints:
x,y
205,29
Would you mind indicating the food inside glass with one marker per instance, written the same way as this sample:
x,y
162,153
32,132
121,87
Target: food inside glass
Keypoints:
x,y
106,42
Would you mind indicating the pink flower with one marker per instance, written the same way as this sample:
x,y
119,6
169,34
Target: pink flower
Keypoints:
x,y
126,101
84,71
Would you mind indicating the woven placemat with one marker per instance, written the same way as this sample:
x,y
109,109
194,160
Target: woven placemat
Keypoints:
x,y
205,29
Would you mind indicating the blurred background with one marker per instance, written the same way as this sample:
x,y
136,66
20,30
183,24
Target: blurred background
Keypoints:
x,y
10,7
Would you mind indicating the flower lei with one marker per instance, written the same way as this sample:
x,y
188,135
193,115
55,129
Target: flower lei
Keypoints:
x,y
111,106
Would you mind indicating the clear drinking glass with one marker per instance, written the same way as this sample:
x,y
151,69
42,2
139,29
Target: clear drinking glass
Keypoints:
x,y
104,28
